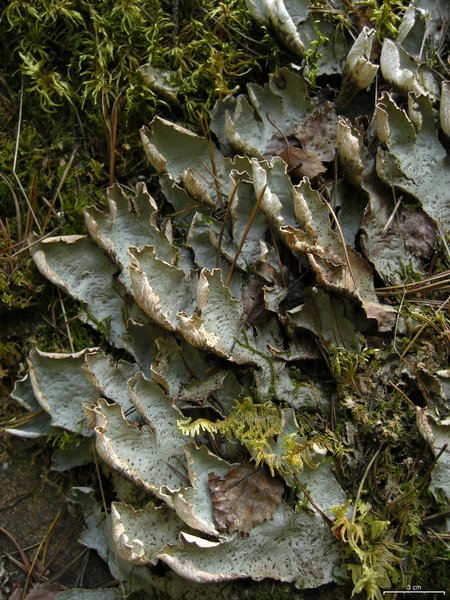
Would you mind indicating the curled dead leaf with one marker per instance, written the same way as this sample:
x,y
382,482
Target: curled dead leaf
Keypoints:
x,y
301,163
243,498
424,427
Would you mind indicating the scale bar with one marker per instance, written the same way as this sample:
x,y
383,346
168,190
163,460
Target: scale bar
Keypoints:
x,y
416,592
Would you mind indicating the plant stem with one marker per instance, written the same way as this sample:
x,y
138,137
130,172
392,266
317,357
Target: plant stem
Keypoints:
x,y
361,484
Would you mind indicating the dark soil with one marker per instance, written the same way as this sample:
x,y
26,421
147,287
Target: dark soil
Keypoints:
x,y
33,510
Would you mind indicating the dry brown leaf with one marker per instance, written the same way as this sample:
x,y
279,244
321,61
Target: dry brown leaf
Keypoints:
x,y
243,498
301,163
318,133
253,301
418,232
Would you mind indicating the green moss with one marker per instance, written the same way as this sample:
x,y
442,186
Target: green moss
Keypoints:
x,y
89,54
19,287
378,418
385,15
430,563
313,54
62,439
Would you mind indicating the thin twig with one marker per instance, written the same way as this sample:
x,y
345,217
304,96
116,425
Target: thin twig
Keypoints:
x,y
214,186
59,186
225,219
30,208
7,239
19,125
56,552
57,575
81,574
244,235
102,492
325,517
420,331
212,158
402,393
14,561
183,211
446,513
361,484
16,153
13,540
113,139
66,322
397,321
33,564
19,420
99,478
38,241
391,218
341,235
438,281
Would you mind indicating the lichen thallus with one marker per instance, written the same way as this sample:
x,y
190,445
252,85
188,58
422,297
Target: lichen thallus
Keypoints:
x,y
254,311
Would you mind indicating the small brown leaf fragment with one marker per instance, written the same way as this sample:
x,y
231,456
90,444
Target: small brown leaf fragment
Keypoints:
x,y
253,300
318,133
424,427
418,232
301,163
243,498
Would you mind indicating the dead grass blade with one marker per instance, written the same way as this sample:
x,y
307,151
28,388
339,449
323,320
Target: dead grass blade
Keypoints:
x,y
212,158
422,329
59,187
244,235
225,220
42,545
341,235
439,282
12,539
16,153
